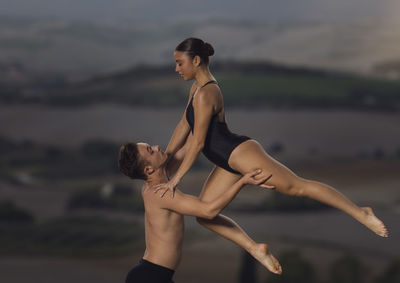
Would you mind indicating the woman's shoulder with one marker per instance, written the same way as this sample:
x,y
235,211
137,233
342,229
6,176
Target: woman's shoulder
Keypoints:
x,y
192,90
207,95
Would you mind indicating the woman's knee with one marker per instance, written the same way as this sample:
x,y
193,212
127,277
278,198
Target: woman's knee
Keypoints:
x,y
296,187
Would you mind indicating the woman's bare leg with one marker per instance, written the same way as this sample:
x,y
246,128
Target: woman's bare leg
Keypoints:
x,y
217,183
250,155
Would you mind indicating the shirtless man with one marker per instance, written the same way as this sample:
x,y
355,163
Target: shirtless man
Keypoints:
x,y
164,226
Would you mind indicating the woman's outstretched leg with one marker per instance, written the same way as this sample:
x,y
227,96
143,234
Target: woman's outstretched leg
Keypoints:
x,y
250,155
217,183
328,195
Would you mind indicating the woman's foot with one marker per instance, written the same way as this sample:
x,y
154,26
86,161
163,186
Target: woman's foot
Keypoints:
x,y
260,253
373,223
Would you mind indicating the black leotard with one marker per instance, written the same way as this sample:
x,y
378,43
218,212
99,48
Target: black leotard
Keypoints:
x,y
220,142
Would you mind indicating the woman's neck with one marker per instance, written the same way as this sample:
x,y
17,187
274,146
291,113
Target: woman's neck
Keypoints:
x,y
203,76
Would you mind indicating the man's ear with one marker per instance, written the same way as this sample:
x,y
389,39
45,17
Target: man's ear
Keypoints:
x,y
148,170
197,60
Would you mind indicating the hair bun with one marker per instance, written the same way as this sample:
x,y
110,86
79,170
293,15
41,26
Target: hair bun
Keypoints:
x,y
208,49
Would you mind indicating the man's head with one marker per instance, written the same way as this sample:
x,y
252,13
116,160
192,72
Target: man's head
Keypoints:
x,y
140,160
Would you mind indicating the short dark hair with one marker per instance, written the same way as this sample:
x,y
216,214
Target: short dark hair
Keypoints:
x,y
195,46
130,162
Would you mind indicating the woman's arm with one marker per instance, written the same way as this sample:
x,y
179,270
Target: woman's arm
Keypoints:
x,y
176,160
178,137
180,133
203,111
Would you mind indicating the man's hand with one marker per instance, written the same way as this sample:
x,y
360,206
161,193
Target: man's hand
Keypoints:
x,y
250,179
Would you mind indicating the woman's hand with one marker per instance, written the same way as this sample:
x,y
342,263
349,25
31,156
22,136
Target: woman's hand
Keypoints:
x,y
171,185
250,179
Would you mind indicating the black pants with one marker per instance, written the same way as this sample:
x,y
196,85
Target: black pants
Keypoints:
x,y
148,272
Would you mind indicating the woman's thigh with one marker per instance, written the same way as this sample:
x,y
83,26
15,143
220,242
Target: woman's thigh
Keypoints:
x,y
217,183
250,156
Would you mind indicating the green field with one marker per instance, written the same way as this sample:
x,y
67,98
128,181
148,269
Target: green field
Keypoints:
x,y
242,84
309,90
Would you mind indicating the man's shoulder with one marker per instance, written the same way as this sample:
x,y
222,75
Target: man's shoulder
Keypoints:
x,y
151,197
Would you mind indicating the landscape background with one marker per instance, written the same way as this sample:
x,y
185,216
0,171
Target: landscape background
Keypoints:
x,y
316,82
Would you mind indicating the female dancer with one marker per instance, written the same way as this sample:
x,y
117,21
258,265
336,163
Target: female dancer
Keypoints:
x,y
203,127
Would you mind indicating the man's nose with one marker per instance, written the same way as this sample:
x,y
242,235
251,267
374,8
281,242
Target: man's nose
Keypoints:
x,y
158,147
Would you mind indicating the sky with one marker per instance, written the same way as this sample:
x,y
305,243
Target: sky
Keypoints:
x,y
176,10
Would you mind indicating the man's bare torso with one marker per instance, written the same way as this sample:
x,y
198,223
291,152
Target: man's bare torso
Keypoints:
x,y
164,232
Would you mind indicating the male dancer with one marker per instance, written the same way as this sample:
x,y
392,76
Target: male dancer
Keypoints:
x,y
164,226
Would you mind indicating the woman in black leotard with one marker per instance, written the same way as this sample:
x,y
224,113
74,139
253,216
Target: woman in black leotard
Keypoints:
x,y
203,127
219,142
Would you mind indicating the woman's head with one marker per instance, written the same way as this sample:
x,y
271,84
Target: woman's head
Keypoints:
x,y
196,47
190,54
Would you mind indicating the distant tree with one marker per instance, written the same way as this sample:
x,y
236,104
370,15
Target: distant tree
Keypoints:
x,y
90,198
103,153
391,273
110,196
53,152
27,145
99,148
123,190
78,235
348,269
397,154
247,273
10,213
378,153
6,145
295,269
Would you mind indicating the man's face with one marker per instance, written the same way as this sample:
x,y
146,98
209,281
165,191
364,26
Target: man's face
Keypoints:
x,y
152,155
184,65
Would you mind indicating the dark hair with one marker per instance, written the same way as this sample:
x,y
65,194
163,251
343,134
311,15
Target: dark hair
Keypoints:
x,y
195,46
129,161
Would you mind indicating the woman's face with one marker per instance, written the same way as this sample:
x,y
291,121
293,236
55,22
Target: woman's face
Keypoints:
x,y
184,65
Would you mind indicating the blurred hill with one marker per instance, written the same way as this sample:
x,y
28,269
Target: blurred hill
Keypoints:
x,y
244,84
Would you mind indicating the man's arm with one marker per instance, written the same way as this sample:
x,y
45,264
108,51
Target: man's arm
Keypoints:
x,y
191,205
